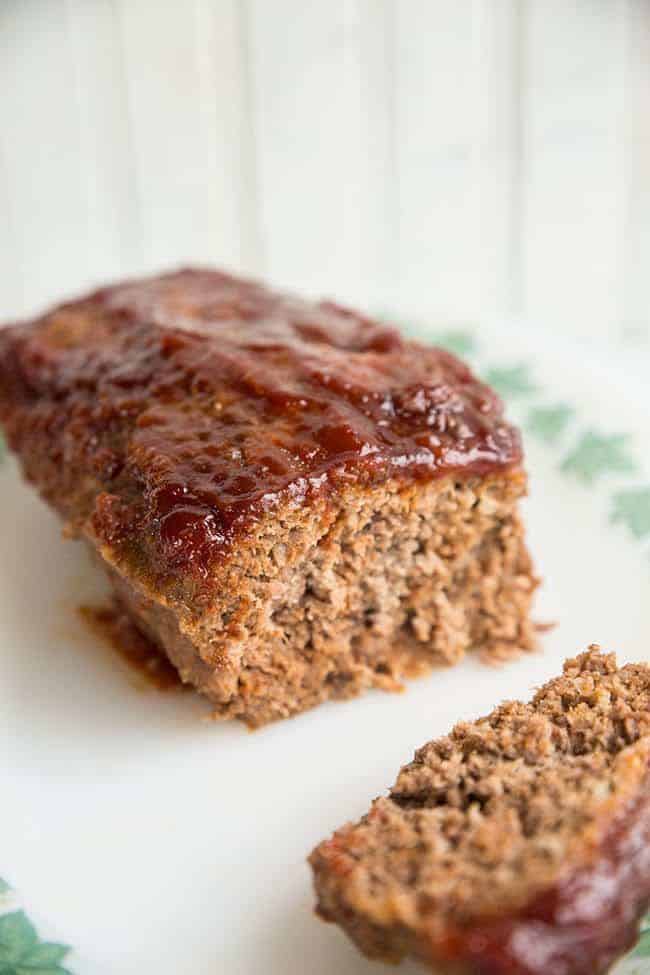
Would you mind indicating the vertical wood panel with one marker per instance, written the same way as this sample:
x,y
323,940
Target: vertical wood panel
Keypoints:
x,y
636,256
574,163
12,285
226,117
434,139
377,183
307,97
183,90
458,160
455,137
498,156
41,151
107,184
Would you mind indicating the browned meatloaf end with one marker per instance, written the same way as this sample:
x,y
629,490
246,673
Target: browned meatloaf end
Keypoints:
x,y
293,500
517,845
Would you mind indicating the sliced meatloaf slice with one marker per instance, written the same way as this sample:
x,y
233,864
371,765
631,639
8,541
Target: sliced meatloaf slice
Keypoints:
x,y
294,501
518,845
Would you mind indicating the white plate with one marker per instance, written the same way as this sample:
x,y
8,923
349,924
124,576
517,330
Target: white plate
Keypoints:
x,y
153,841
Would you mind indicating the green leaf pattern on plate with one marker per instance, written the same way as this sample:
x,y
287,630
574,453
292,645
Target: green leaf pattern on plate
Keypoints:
x,y
632,507
459,342
642,950
596,454
548,423
21,951
511,381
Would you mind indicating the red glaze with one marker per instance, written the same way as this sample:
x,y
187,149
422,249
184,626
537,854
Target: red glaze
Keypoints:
x,y
583,925
200,401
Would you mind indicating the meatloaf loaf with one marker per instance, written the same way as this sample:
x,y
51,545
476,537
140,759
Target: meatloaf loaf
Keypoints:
x,y
518,845
294,501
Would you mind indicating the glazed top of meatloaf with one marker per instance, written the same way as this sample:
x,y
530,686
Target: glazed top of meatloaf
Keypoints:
x,y
196,401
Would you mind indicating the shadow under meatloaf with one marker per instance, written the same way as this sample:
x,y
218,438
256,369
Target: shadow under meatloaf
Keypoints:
x,y
292,500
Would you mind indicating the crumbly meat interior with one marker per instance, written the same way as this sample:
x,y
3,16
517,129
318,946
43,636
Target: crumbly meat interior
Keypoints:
x,y
484,820
327,601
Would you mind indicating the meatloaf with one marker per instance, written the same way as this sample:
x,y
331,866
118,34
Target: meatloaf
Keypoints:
x,y
517,845
294,501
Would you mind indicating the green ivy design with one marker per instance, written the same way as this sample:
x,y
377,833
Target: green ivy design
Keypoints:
x,y
21,952
511,381
4,887
631,507
459,342
548,423
642,949
595,454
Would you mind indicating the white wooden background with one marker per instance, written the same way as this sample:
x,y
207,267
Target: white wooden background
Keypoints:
x,y
458,159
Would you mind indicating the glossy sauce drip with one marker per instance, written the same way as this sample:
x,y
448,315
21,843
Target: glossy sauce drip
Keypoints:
x,y
201,401
582,925
116,629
